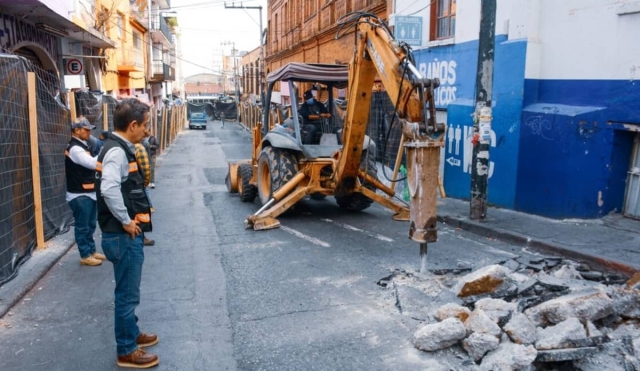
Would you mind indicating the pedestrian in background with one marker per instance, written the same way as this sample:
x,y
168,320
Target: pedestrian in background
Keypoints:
x,y
80,168
124,215
142,158
153,150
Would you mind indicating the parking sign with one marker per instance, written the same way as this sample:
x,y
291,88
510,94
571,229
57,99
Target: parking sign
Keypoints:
x,y
74,67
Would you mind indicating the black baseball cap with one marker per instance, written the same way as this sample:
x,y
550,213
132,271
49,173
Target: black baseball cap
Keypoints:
x,y
82,122
308,95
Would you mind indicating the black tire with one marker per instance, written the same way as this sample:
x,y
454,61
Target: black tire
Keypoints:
x,y
246,190
275,168
358,201
318,196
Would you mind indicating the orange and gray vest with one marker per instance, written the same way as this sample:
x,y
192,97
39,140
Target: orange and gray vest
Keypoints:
x,y
133,194
79,178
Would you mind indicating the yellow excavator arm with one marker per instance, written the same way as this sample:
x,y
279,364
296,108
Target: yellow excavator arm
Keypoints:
x,y
377,53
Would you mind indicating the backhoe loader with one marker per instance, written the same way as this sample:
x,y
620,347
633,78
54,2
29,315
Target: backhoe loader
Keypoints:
x,y
339,161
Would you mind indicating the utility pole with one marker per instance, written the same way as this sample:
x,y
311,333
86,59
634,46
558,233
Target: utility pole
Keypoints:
x,y
234,53
261,72
482,116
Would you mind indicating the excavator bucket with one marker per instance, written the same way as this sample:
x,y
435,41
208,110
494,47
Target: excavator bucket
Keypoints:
x,y
261,224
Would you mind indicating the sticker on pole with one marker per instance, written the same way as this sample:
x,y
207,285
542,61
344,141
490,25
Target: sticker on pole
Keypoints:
x,y
74,67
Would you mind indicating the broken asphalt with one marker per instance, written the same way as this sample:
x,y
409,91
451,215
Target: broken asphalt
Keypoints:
x,y
611,243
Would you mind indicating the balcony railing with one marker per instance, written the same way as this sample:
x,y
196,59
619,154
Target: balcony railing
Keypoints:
x,y
131,60
138,15
158,23
162,72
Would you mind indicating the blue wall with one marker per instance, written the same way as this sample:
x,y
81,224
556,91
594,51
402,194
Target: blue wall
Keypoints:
x,y
574,151
559,147
456,66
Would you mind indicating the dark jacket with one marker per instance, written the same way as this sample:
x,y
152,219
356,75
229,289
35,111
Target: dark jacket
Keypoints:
x,y
153,145
79,178
311,109
133,193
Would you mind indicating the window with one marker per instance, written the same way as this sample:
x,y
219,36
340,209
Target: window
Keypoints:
x,y
443,19
136,40
310,8
119,29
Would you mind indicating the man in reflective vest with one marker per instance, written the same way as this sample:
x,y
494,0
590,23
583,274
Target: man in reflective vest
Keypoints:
x,y
81,195
124,214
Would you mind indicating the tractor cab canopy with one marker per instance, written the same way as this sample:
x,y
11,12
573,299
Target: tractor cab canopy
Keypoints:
x,y
319,138
336,75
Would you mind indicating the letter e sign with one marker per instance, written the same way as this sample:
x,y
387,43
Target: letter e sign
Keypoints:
x,y
74,67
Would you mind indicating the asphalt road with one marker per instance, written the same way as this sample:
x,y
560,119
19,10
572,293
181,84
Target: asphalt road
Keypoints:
x,y
221,297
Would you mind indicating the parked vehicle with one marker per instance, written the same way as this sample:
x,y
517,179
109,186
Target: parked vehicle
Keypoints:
x,y
198,120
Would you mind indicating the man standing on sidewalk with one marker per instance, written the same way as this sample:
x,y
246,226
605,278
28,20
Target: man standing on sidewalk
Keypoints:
x,y
123,215
80,169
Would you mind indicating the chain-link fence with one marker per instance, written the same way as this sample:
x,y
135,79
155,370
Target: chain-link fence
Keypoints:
x,y
18,232
33,205
95,107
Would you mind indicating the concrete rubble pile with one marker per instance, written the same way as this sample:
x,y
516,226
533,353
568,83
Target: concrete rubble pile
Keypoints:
x,y
532,314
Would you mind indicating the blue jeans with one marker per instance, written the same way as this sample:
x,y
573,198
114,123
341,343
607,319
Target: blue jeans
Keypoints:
x,y
127,256
85,214
146,191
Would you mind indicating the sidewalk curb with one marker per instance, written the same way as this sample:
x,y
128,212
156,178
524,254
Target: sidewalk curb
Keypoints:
x,y
541,245
32,271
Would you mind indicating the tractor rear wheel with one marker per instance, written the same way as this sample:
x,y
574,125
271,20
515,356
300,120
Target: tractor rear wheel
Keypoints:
x,y
275,168
246,190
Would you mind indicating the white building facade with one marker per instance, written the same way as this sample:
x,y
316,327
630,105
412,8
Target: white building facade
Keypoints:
x,y
566,99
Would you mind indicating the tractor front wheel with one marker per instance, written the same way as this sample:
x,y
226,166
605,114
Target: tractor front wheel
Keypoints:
x,y
246,190
275,168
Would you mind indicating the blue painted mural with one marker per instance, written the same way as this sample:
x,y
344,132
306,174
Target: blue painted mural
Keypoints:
x,y
455,66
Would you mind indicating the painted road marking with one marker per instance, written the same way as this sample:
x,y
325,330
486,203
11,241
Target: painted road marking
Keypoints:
x,y
304,236
352,228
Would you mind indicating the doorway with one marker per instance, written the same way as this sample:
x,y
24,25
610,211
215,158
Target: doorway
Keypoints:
x,y
632,194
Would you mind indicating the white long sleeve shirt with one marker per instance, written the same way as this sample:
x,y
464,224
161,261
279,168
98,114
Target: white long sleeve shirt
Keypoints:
x,y
82,158
115,171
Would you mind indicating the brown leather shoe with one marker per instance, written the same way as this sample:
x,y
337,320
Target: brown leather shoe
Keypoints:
x,y
146,340
149,242
138,359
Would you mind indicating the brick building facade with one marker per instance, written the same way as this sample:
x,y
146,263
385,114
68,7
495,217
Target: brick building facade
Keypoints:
x,y
304,31
203,84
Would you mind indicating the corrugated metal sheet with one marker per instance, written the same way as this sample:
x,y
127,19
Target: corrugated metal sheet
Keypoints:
x,y
311,72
